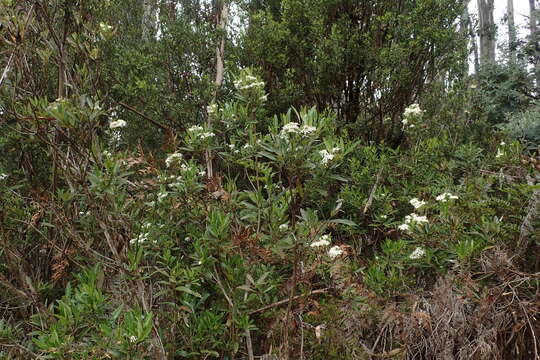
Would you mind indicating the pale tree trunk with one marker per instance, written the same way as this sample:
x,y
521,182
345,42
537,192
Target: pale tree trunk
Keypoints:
x,y
464,31
222,16
474,47
512,35
534,40
487,31
149,19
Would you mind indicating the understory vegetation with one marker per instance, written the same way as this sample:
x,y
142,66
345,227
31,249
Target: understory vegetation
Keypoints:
x,y
347,190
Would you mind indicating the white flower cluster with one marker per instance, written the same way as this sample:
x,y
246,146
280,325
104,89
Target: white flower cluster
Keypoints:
x,y
145,233
323,241
444,197
248,82
328,156
411,112
417,203
117,124
132,339
195,128
143,237
335,251
417,254
173,159
412,219
212,109
295,128
206,135
3,176
283,227
200,133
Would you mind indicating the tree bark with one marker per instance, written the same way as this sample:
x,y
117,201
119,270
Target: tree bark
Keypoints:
x,y
487,31
534,40
149,19
512,35
464,31
221,26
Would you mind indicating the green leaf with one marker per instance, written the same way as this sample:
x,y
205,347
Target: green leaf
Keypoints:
x,y
188,291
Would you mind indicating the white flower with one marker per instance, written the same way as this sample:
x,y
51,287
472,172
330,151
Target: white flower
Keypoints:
x,y
499,153
404,121
288,128
444,197
283,227
231,146
323,241
306,129
326,156
206,135
132,339
336,149
117,124
414,218
3,176
212,109
503,143
319,243
335,251
417,203
417,253
202,173
413,110
173,159
247,146
195,128
403,227
139,239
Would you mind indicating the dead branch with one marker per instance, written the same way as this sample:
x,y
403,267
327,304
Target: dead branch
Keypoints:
x,y
156,123
285,301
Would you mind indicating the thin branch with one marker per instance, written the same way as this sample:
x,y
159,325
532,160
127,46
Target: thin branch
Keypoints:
x,y
286,301
159,125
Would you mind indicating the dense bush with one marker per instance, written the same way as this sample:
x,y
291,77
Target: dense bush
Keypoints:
x,y
316,237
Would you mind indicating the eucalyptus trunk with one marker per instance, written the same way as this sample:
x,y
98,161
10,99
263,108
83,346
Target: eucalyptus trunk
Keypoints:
x,y
487,31
149,19
464,31
512,35
222,16
534,40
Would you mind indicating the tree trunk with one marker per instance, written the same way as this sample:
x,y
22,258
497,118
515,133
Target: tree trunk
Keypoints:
x,y
534,40
149,19
512,35
474,43
222,15
487,31
464,31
